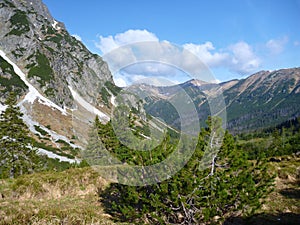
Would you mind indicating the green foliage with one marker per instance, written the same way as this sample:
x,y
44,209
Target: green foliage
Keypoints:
x,y
19,23
50,164
104,143
10,82
279,141
40,130
42,70
105,95
223,183
17,156
164,109
7,3
115,90
50,92
52,149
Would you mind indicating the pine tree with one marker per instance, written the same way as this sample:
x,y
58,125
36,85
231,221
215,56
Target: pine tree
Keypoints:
x,y
17,156
226,183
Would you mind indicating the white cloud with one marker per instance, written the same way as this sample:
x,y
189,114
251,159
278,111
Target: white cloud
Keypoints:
x,y
296,43
204,52
276,46
77,37
244,60
109,43
120,82
239,57
131,51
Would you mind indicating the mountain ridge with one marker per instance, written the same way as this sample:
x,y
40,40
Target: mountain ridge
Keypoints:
x,y
60,85
72,85
258,101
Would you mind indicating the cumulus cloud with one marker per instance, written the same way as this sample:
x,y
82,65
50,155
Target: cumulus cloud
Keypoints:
x,y
204,52
77,37
120,82
239,57
244,60
140,54
276,46
109,43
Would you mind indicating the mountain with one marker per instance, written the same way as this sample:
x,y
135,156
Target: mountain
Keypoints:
x,y
61,86
59,83
262,100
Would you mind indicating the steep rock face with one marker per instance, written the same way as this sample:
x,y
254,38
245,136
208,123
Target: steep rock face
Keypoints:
x,y
49,55
60,84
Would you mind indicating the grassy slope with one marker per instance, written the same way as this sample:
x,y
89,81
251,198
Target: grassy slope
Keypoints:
x,y
71,197
68,197
282,206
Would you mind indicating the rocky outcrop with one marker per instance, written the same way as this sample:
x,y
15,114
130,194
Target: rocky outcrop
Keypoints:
x,y
49,55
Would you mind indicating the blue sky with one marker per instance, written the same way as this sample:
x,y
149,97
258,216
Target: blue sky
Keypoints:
x,y
233,38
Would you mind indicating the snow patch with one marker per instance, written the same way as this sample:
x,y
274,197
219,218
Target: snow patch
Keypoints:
x,y
53,135
113,100
33,93
87,105
2,108
54,25
55,156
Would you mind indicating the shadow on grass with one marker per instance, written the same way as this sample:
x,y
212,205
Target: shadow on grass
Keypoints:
x,y
291,193
266,219
110,198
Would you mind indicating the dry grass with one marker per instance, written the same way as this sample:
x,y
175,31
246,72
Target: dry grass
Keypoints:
x,y
69,197
285,198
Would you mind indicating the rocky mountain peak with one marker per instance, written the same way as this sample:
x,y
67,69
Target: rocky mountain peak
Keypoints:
x,y
58,81
35,5
52,59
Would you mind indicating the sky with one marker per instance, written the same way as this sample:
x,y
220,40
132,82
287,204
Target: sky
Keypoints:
x,y
232,38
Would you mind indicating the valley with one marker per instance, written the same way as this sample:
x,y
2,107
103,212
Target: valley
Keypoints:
x,y
75,148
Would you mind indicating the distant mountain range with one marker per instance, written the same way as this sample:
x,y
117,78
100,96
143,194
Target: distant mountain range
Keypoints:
x,y
61,85
262,100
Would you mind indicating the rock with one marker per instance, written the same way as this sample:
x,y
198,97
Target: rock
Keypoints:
x,y
45,44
